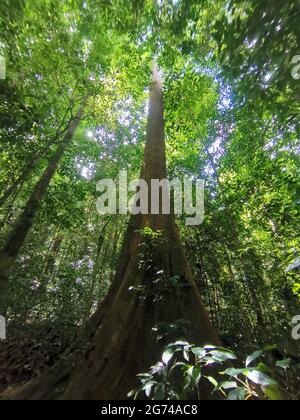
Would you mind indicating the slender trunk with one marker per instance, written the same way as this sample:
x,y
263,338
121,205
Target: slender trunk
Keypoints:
x,y
119,339
114,254
95,272
205,277
21,228
20,180
245,267
22,177
53,253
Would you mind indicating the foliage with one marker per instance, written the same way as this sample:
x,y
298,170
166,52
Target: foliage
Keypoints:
x,y
182,367
231,117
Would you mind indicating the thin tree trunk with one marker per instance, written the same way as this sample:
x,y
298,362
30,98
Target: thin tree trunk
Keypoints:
x,y
18,183
205,277
21,178
96,268
119,340
21,228
53,253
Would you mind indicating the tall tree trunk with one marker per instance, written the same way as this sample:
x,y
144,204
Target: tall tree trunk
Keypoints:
x,y
118,342
21,228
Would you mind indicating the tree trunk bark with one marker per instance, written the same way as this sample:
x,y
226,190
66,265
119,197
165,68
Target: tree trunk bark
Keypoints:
x,y
21,228
118,342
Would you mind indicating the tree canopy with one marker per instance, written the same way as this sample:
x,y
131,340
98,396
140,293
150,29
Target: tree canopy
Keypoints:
x,y
73,111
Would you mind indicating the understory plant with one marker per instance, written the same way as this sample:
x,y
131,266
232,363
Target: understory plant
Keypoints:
x,y
183,366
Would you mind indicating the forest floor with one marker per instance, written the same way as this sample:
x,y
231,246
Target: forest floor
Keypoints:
x,y
29,351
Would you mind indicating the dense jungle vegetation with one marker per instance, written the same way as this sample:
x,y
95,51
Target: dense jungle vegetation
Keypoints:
x,y
90,301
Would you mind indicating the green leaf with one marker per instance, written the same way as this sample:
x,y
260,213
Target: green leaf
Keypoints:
x,y
222,355
234,372
260,378
196,374
181,343
159,368
148,386
212,381
238,394
187,382
193,375
284,364
228,385
275,393
210,347
134,393
210,361
167,355
294,265
186,353
264,368
253,357
199,351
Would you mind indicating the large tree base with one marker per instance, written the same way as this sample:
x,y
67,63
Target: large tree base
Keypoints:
x,y
153,287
